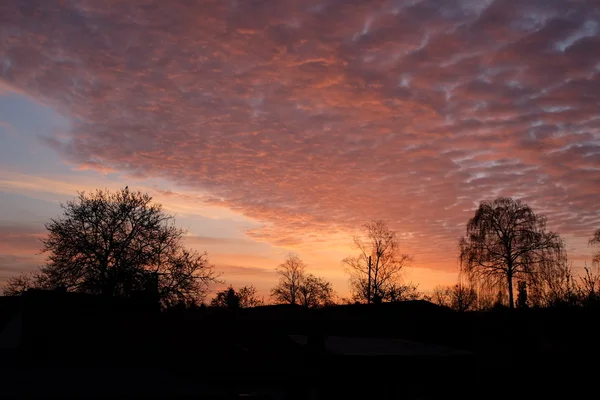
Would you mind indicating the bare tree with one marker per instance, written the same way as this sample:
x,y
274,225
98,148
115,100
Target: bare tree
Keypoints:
x,y
248,297
591,280
181,275
291,273
459,297
553,285
507,240
118,244
402,292
17,285
463,297
297,287
315,292
378,267
595,240
442,296
488,295
590,284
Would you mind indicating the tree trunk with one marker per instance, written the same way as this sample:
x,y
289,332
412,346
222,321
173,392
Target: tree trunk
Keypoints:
x,y
511,301
293,292
369,283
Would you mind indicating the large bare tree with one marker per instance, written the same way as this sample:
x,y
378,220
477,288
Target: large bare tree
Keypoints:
x,y
290,272
375,272
119,244
506,240
295,286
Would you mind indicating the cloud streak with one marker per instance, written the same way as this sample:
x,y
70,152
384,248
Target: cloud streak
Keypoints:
x,y
19,250
316,116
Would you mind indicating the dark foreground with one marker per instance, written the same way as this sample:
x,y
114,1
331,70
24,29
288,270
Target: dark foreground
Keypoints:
x,y
57,344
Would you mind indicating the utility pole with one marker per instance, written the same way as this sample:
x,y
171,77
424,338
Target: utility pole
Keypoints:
x,y
369,284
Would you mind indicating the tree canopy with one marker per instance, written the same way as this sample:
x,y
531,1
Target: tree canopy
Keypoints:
x,y
121,244
507,240
295,286
375,273
232,299
460,297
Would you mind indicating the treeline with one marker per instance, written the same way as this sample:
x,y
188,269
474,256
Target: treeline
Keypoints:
x,y
509,257
123,244
555,287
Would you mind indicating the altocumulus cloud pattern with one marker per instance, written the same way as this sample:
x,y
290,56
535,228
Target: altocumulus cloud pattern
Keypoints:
x,y
320,115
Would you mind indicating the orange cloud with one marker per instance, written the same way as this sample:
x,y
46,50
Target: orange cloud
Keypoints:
x,y
315,117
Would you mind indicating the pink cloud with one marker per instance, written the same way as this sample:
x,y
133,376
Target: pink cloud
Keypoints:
x,y
314,117
20,240
19,250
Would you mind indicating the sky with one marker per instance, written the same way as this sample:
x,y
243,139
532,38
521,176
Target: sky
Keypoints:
x,y
268,127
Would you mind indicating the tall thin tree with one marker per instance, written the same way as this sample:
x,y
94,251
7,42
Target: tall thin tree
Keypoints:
x,y
376,270
291,274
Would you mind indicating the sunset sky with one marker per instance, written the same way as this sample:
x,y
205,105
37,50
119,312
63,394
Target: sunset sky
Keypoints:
x,y
272,126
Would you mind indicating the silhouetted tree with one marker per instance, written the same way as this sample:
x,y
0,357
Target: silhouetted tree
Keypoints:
x,y
459,297
441,296
522,294
314,292
118,244
463,297
506,240
290,272
595,240
297,287
553,285
231,299
248,297
402,292
487,294
227,298
19,284
590,285
591,280
346,301
374,283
